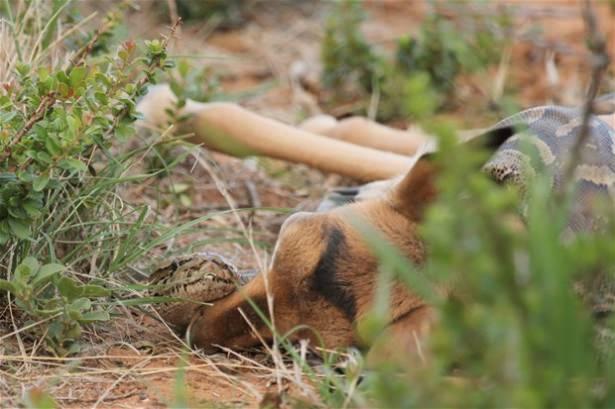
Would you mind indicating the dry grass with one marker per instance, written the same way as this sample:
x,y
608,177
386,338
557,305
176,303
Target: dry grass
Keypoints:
x,y
125,370
17,46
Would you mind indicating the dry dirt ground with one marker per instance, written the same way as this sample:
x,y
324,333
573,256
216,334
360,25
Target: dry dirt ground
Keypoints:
x,y
136,361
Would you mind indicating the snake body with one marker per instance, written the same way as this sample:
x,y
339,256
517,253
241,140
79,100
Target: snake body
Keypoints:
x,y
541,142
194,279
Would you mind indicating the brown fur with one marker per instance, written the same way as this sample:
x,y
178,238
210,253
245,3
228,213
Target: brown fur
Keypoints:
x,y
323,275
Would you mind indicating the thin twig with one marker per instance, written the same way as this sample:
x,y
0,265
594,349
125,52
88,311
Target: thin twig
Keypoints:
x,y
79,57
27,327
172,5
599,61
46,102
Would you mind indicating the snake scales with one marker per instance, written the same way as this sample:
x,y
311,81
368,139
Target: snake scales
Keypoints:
x,y
542,139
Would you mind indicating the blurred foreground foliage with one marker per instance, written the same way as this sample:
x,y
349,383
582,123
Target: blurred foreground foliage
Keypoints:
x,y
526,320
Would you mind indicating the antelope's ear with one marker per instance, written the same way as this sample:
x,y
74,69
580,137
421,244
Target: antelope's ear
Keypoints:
x,y
417,189
489,139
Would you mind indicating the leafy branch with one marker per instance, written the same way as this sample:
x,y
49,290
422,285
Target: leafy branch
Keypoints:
x,y
48,100
156,60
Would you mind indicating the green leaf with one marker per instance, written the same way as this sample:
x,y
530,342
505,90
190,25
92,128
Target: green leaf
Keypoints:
x,y
69,288
92,290
43,74
125,131
61,76
8,286
28,267
102,78
19,229
74,348
74,164
81,304
77,75
32,208
63,89
43,157
40,182
17,213
46,272
74,313
95,316
101,97
22,69
73,124
185,200
52,146
179,187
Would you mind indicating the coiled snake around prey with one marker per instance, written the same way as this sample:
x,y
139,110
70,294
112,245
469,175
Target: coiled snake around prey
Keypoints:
x,y
551,133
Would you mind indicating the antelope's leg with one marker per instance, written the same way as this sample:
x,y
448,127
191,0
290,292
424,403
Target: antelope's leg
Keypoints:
x,y
231,129
364,132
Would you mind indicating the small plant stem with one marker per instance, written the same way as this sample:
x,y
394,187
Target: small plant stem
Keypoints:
x,y
599,61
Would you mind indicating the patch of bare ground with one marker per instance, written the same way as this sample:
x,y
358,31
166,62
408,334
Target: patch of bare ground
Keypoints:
x,y
137,362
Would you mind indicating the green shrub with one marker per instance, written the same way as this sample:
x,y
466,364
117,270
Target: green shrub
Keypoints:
x,y
438,54
225,14
43,292
63,118
523,324
189,82
346,56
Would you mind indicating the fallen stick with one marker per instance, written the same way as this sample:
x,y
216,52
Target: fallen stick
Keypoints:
x,y
231,129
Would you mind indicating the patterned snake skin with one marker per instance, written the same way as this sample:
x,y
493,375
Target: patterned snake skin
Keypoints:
x,y
542,139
